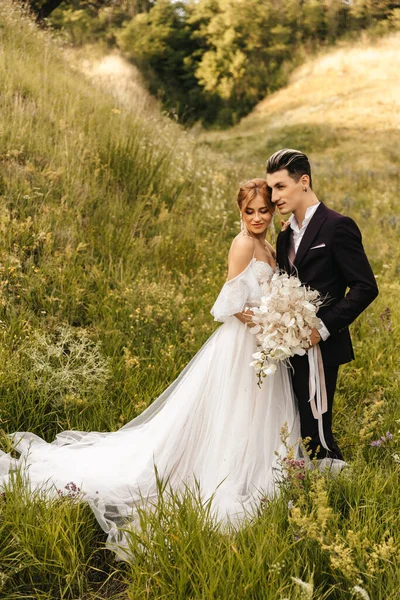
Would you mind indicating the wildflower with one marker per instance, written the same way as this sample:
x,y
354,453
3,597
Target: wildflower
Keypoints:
x,y
361,592
372,417
72,490
296,466
277,567
383,439
307,588
67,363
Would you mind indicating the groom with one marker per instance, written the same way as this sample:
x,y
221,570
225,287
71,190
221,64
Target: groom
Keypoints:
x,y
324,249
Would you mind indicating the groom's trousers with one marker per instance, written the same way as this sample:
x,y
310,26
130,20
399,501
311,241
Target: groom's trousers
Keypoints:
x,y
309,425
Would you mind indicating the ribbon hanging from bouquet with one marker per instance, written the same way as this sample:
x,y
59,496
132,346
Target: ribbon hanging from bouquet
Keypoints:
x,y
317,387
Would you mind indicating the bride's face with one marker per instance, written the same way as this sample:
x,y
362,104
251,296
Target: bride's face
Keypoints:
x,y
256,216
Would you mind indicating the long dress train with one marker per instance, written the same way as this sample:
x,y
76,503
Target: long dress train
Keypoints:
x,y
212,425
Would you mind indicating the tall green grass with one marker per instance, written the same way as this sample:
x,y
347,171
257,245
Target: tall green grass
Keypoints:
x,y
114,232
111,224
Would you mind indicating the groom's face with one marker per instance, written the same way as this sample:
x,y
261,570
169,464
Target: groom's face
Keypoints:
x,y
287,194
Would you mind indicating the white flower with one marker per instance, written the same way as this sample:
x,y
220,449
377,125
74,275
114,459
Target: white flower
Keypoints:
x,y
307,588
254,330
361,592
257,366
288,320
294,282
276,316
299,351
308,306
270,369
284,321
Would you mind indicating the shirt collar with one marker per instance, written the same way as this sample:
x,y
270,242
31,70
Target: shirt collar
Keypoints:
x,y
308,216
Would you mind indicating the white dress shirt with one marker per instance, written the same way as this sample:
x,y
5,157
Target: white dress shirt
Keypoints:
x,y
298,233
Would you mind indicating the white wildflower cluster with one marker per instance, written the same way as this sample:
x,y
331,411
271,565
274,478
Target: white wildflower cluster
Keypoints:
x,y
307,589
361,592
67,363
283,322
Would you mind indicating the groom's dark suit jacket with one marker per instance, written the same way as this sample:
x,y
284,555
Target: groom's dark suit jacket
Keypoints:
x,y
339,263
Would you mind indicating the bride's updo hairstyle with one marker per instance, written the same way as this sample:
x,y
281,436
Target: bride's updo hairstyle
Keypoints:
x,y
250,190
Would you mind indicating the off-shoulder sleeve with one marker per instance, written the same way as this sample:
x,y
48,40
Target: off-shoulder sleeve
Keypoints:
x,y
232,298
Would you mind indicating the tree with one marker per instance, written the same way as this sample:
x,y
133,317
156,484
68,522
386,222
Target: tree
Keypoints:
x,y
247,47
162,45
43,8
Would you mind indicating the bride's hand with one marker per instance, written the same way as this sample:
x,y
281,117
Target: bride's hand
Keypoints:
x,y
246,317
285,225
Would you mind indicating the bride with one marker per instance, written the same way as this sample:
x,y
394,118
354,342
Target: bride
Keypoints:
x,y
213,425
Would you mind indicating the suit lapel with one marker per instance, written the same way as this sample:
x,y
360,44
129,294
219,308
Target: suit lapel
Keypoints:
x,y
312,229
283,250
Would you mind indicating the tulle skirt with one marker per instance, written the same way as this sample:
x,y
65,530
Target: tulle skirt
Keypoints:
x,y
212,427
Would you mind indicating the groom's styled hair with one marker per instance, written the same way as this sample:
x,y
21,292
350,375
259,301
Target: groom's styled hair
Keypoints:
x,y
294,161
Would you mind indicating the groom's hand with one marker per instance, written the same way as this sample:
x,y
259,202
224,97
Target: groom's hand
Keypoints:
x,y
284,225
315,337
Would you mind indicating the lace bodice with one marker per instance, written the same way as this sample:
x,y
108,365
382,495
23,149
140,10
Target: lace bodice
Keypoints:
x,y
243,290
263,270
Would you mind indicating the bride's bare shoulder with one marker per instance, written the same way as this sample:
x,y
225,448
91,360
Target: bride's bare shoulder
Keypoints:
x,y
240,254
242,242
242,246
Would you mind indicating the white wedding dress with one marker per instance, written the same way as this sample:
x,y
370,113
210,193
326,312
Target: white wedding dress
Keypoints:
x,y
212,425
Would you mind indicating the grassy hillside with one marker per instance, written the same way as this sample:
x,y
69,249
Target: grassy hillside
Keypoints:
x,y
342,109
114,231
109,217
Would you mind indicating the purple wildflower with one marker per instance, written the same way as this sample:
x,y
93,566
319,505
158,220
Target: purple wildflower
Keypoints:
x,y
72,490
383,439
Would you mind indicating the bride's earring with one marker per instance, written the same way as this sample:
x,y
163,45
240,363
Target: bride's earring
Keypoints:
x,y
271,229
243,227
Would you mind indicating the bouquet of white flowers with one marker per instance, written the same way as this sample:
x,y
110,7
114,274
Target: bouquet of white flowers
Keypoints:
x,y
283,322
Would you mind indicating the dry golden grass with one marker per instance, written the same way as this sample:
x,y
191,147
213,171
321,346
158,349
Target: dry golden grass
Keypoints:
x,y
350,87
355,86
114,74
341,107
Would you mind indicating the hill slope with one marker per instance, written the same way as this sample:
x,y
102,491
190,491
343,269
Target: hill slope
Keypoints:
x,y
336,104
114,232
348,87
109,216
